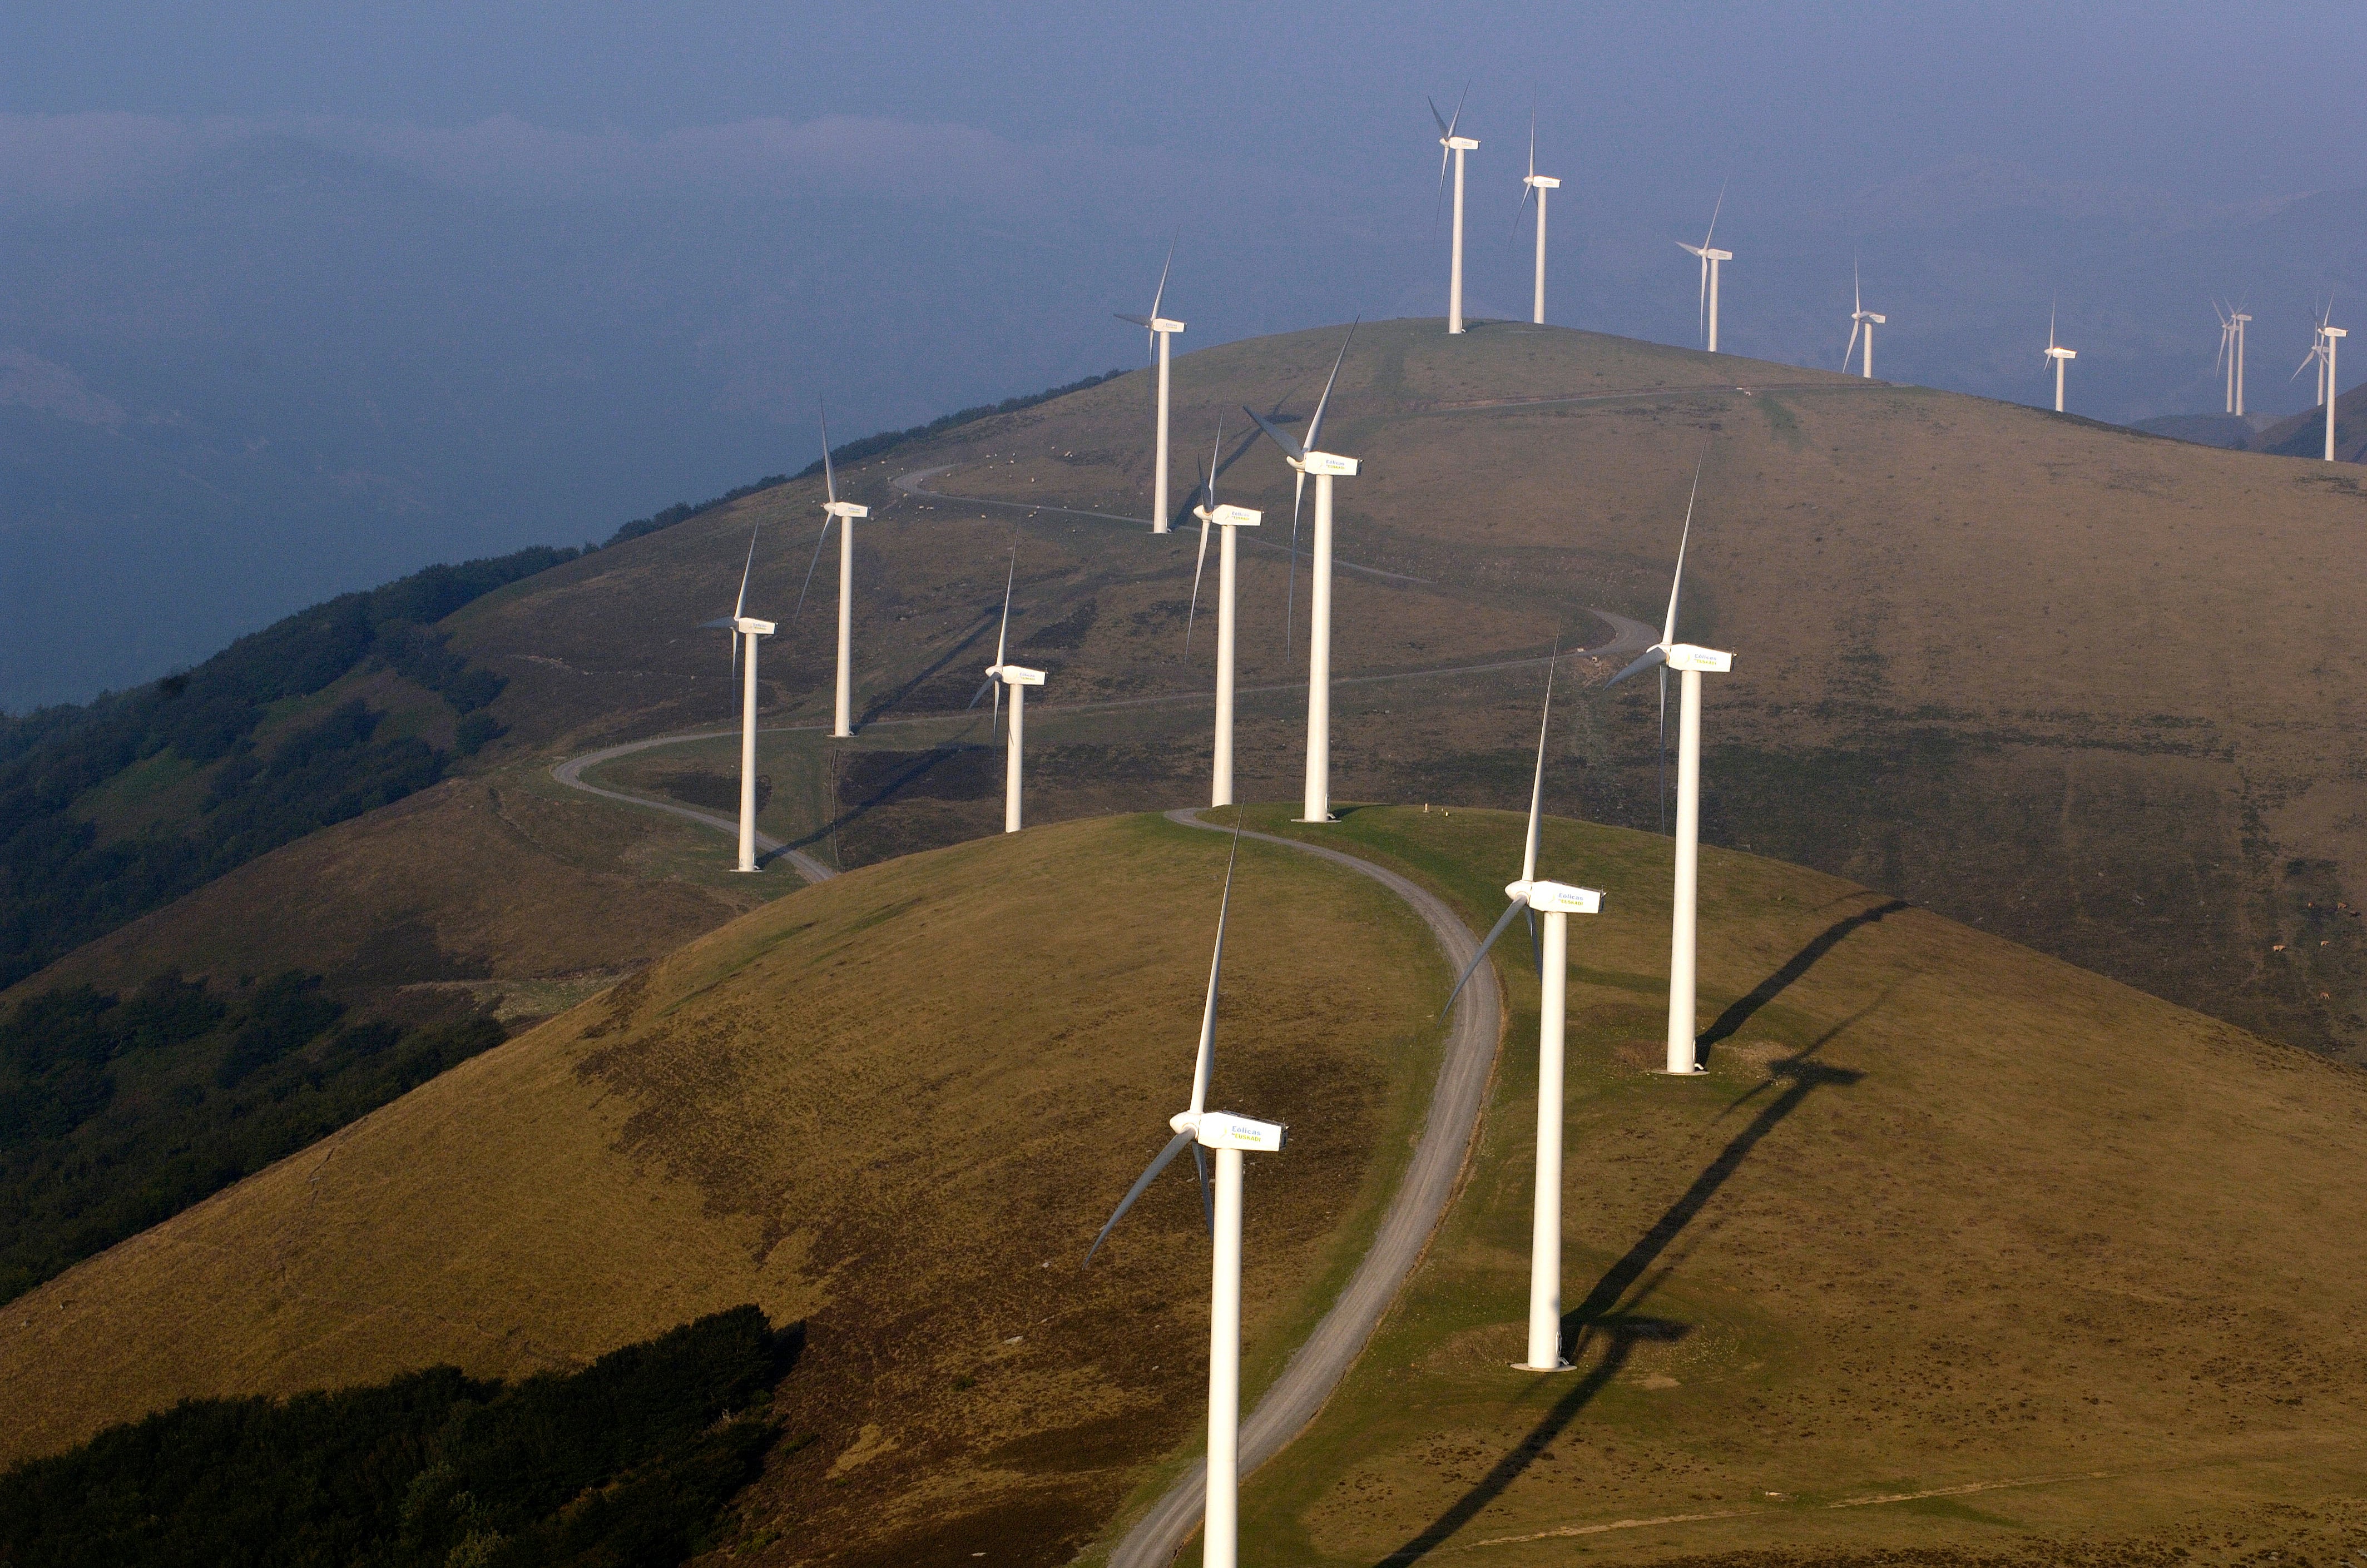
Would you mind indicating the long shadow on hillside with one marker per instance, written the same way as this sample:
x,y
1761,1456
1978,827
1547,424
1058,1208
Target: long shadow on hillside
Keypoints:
x,y
1732,1021
892,700
1599,1317
929,760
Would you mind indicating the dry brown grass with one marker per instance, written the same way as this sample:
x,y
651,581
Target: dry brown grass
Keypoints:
x,y
896,1107
1946,1218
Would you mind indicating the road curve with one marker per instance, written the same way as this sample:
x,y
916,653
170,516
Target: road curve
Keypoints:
x,y
1316,1367
571,774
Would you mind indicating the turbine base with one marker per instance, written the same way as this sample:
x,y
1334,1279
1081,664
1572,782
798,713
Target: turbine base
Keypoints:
x,y
1315,819
1556,1367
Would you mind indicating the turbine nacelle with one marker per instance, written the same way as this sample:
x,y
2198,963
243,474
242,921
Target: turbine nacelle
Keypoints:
x,y
1542,181
1014,675
2062,354
1458,143
1707,253
1556,898
1875,316
1326,463
1688,656
1152,324
845,509
1228,515
1223,1130
748,627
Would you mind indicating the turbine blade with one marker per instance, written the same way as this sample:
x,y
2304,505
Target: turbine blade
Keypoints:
x,y
1536,948
1204,1064
1438,117
1207,1200
1481,956
740,607
829,477
1537,784
1701,305
1458,118
1852,344
1677,579
1660,783
1857,290
994,721
1198,566
982,687
1533,140
1315,426
1290,593
1002,638
820,540
1161,294
1165,1156
1713,215
1282,438
1142,321
1643,661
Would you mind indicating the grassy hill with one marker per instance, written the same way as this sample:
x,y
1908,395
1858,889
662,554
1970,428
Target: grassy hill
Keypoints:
x,y
2073,685
896,1107
1956,1249
2081,687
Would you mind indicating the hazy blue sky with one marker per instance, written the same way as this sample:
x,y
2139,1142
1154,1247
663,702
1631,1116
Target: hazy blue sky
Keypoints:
x,y
297,296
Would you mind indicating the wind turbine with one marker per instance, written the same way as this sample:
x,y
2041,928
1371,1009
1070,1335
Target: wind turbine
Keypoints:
x,y
1226,519
1710,257
1161,330
1454,147
844,512
1537,184
1325,467
2322,350
1018,677
2061,356
1556,901
2239,318
742,626
1861,320
2225,361
1689,661
1228,1136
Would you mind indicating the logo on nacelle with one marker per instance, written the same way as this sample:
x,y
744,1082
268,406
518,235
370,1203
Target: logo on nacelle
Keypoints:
x,y
1330,463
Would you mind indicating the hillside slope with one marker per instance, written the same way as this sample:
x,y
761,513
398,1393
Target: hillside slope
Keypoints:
x,y
1955,1250
2086,688
897,1107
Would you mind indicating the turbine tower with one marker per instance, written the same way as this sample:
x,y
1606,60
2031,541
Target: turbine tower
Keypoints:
x,y
2322,350
844,512
1018,677
1454,147
1226,519
746,628
1710,256
1326,467
1161,330
2239,318
2061,356
1689,661
1861,320
1228,1136
1556,901
1539,184
2230,359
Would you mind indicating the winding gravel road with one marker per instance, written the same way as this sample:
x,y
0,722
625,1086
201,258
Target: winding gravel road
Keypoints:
x,y
1316,1368
571,774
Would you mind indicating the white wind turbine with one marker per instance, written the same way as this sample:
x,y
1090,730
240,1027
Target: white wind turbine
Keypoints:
x,y
1161,330
2322,350
1326,467
2230,359
1710,256
1018,677
1556,901
1226,519
1861,320
1454,147
844,512
1537,184
1228,1136
1689,661
2061,356
744,626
